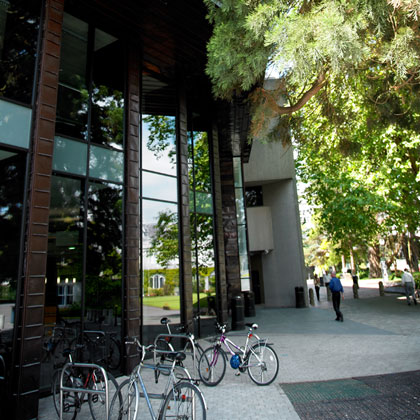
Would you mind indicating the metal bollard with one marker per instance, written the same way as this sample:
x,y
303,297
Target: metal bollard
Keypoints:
x,y
355,291
381,289
311,297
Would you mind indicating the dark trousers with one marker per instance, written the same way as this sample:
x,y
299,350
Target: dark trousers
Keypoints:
x,y
317,292
336,299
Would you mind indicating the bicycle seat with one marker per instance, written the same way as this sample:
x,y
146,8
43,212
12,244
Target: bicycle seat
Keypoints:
x,y
165,321
179,356
253,326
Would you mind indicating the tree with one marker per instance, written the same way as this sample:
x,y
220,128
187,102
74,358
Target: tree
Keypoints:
x,y
358,153
308,43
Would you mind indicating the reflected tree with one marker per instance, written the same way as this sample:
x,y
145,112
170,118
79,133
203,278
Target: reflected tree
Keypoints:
x,y
104,229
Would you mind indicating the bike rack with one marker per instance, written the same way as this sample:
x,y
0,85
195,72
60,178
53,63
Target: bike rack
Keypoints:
x,y
2,369
84,390
182,336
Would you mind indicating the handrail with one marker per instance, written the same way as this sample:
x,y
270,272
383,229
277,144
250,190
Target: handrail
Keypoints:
x,y
84,390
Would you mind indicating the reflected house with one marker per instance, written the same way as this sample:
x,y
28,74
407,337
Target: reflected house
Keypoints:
x,y
122,185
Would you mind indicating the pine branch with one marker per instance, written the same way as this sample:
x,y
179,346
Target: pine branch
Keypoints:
x,y
284,110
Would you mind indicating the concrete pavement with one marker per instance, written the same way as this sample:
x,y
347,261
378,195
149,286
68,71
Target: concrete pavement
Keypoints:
x,y
379,335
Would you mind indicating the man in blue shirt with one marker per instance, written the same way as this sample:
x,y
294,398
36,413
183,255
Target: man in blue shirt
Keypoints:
x,y
337,291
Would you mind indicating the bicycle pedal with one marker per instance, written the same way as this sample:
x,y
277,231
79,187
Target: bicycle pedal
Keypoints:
x,y
237,373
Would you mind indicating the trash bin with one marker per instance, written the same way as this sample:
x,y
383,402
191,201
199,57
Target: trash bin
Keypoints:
x,y
249,300
211,304
300,298
237,306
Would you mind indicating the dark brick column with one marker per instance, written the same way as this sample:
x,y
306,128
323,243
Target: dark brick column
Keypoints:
x,y
132,287
184,201
233,278
222,299
29,327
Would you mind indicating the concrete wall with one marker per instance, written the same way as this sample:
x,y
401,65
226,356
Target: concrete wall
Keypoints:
x,y
260,229
283,267
269,162
272,166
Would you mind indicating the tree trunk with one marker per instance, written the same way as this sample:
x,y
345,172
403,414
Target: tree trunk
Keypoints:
x,y
352,264
343,263
374,256
410,250
414,260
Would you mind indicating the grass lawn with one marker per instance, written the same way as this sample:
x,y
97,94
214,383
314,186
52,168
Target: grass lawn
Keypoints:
x,y
172,302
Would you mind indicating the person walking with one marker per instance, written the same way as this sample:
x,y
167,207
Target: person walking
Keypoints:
x,y
407,281
337,292
317,283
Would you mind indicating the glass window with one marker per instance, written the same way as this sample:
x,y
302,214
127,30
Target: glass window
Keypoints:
x,y
19,25
106,164
12,177
240,208
241,223
159,186
201,221
73,95
160,260
65,246
70,156
104,251
158,144
107,114
254,196
15,124
237,172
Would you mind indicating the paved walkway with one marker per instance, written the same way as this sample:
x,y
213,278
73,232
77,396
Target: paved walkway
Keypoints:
x,y
379,336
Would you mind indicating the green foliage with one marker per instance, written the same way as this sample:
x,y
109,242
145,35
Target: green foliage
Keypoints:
x,y
357,154
416,277
162,134
164,244
237,56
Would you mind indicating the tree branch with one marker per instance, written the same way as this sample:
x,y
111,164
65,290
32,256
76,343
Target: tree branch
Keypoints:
x,y
284,110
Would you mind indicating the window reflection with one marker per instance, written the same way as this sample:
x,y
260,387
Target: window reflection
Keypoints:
x,y
160,261
107,93
158,144
201,221
12,170
73,96
106,164
159,186
241,225
19,23
104,253
65,248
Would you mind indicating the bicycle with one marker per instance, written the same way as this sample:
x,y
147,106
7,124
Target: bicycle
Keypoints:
x,y
61,338
257,357
181,398
99,347
82,378
164,343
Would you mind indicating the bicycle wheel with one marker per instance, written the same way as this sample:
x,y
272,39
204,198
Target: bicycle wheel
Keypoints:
x,y
80,350
71,400
125,403
212,366
97,402
262,364
57,354
113,359
184,401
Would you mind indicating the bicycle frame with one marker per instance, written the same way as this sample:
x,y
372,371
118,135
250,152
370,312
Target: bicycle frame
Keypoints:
x,y
136,378
82,391
229,344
